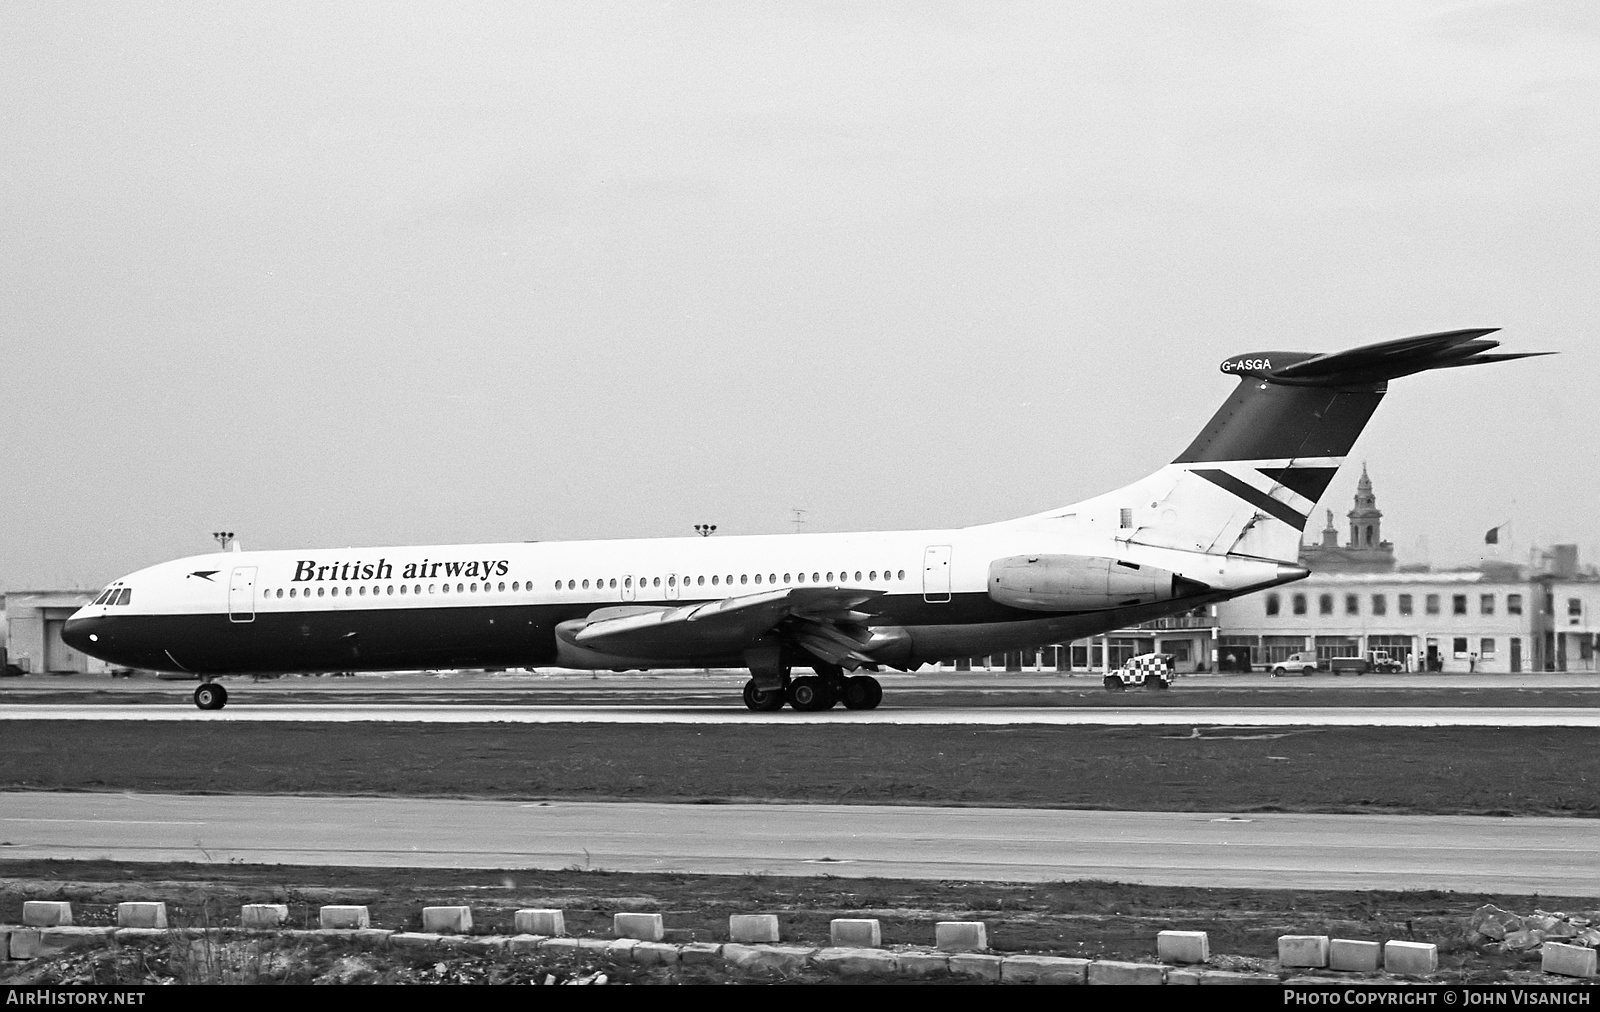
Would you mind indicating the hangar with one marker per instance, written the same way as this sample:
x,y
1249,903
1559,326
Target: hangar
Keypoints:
x,y
34,620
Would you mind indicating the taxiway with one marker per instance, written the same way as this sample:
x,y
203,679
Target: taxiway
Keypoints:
x,y
1518,855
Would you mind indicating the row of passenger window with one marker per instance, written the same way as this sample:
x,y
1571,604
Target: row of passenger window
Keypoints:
x,y
745,579
392,589
1380,604
114,596
517,586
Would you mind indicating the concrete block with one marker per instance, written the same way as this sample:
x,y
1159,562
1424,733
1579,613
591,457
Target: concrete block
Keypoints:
x,y
753,929
525,943
1410,957
1351,954
141,915
856,962
961,936
540,922
700,953
344,917
645,927
23,943
1303,950
855,932
414,940
595,946
1567,960
922,964
54,941
621,950
375,938
655,954
976,964
1183,976
1213,978
563,946
1183,946
447,920
483,945
130,936
46,913
780,958
263,916
1042,970
1110,971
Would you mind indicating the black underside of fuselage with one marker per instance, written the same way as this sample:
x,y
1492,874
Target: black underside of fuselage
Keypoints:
x,y
389,639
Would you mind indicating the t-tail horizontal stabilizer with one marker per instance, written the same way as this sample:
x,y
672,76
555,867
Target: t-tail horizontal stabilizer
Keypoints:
x,y
1251,478
1375,363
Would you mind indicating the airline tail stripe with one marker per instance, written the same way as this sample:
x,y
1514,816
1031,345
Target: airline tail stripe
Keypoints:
x,y
1309,482
1254,496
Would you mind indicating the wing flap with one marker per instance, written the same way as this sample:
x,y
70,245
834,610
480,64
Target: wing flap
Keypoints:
x,y
717,627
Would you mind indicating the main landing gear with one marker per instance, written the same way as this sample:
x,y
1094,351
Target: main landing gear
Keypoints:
x,y
762,700
814,693
210,696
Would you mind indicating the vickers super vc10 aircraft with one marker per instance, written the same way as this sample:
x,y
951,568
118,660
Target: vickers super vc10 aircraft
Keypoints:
x,y
1223,519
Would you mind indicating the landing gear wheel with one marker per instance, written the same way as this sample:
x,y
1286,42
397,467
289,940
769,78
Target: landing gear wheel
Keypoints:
x,y
762,700
862,692
210,696
810,694
1114,684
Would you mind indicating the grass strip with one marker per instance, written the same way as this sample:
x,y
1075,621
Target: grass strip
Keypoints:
x,y
1424,771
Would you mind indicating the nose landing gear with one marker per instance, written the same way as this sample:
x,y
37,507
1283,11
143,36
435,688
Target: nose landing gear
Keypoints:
x,y
210,696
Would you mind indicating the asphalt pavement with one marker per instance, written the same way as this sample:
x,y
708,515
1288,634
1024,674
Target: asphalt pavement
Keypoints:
x,y
1512,855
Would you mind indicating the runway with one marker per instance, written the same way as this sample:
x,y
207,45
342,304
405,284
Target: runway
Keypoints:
x,y
426,713
1522,855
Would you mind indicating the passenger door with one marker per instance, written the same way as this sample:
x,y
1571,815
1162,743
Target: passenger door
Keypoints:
x,y
242,594
936,574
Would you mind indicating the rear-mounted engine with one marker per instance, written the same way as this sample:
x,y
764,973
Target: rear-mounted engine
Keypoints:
x,y
1082,583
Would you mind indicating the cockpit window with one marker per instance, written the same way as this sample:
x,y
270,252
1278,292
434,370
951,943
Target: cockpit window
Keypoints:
x,y
103,595
125,596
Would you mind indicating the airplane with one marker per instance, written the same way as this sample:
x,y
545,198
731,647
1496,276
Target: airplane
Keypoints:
x,y
1223,519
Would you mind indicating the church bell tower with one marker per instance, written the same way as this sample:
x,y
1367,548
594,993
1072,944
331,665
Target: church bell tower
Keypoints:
x,y
1366,518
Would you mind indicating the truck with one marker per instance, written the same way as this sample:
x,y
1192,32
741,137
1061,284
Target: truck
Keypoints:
x,y
1377,661
1151,670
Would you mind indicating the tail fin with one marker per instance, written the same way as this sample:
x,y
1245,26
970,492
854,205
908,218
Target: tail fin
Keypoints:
x,y
1250,480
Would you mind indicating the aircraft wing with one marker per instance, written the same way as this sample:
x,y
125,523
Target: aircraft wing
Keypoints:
x,y
826,621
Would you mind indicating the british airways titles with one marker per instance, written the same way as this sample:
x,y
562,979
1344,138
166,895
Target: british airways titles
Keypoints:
x,y
309,571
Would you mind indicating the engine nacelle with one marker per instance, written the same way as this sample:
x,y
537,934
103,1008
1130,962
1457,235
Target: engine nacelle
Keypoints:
x,y
1082,583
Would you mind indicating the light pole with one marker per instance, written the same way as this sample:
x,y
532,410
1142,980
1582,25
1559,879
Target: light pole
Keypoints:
x,y
705,530
224,538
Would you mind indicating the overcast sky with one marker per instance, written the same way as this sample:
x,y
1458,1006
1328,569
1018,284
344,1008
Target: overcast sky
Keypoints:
x,y
364,274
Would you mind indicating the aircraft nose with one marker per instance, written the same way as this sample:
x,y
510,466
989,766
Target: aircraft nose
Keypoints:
x,y
83,634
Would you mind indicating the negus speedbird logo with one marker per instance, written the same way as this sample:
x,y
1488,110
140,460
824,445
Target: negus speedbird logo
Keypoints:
x,y
205,574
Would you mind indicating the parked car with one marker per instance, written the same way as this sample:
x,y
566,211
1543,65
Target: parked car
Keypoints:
x,y
1302,663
